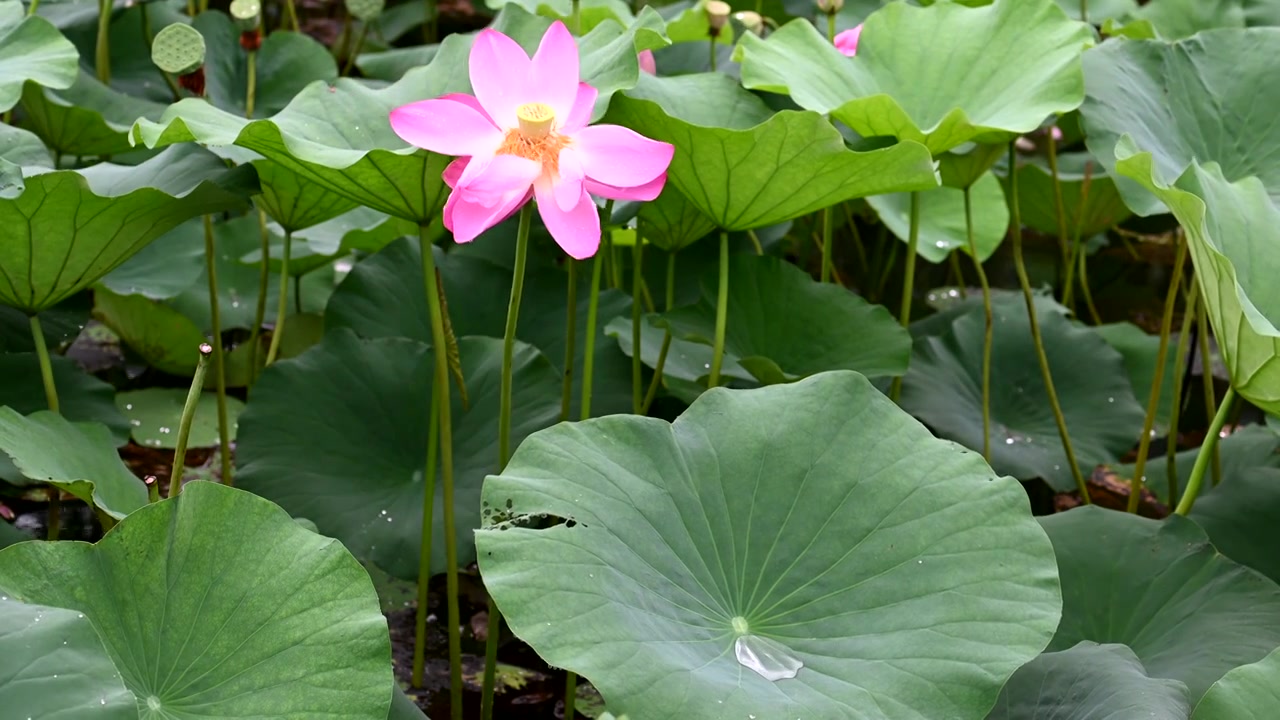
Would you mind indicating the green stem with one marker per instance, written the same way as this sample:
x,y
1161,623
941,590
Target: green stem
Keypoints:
x,y
188,415
1068,292
570,337
428,22
1085,292
102,51
31,9
264,284
1157,380
1025,281
282,303
666,337
424,539
1084,10
908,281
1179,367
825,273
637,366
1207,449
149,37
722,312
589,349
989,327
291,12
351,56
1206,379
439,351
504,438
53,523
575,18
252,85
1059,210
570,695
713,53
831,27
153,488
219,365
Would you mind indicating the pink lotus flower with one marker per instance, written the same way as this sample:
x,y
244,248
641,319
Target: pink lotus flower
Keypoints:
x,y
647,63
847,41
524,134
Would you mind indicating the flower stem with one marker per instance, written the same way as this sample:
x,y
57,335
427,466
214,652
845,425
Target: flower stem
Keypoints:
x,y
102,51
188,415
1207,450
264,284
424,540
31,9
666,337
1059,210
908,281
1157,380
440,353
1041,357
637,301
1179,367
53,522
252,83
722,312
291,11
570,695
576,20
282,304
1077,249
589,349
219,366
713,53
989,327
831,27
570,337
429,22
1206,379
354,51
504,438
1084,10
825,272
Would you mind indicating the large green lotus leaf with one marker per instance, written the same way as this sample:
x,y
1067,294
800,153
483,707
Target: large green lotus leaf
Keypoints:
x,y
86,119
171,264
77,457
944,389
671,222
66,229
1249,692
402,708
1153,96
1241,516
216,604
383,297
237,282
358,229
31,48
168,340
155,415
286,63
1100,10
1187,612
53,666
1141,352
81,396
721,133
958,91
1089,682
1178,19
784,325
339,136
942,221
801,549
20,148
1103,207
295,202
1252,446
10,535
351,458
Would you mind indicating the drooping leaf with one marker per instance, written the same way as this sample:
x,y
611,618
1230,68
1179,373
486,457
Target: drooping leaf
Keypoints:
x,y
671,221
155,415
87,119
1249,692
944,389
942,221
168,340
351,460
959,91
1187,612
77,457
721,132
295,202
202,621
171,264
1241,515
797,549
81,396
31,48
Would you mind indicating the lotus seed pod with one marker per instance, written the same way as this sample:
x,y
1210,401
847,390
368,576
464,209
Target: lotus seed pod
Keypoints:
x,y
365,10
717,15
830,7
246,13
178,49
752,21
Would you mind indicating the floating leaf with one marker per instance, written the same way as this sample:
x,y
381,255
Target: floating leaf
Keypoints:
x,y
942,221
156,415
797,549
31,48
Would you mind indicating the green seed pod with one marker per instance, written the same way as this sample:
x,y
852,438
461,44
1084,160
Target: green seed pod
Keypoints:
x,y
365,10
178,49
245,13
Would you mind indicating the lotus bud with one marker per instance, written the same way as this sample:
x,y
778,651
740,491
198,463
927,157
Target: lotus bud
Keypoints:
x,y
718,13
365,10
752,21
830,7
178,49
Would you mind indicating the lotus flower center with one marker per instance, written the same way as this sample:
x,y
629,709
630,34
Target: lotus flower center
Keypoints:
x,y
535,139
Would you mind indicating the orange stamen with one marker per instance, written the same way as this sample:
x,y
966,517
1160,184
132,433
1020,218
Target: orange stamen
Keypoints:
x,y
535,139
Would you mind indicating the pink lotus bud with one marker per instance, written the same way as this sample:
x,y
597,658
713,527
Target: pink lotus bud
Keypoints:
x,y
1056,133
847,41
647,63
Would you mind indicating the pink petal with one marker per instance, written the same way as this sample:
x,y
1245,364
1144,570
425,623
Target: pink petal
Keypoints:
x,y
583,106
497,180
576,231
847,41
553,74
467,220
445,126
568,187
646,192
468,100
454,171
647,62
618,156
499,76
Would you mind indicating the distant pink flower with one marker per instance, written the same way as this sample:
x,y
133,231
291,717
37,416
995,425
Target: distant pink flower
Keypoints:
x,y
524,135
647,63
847,41
1056,133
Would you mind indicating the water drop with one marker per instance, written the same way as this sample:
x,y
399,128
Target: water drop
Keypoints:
x,y
1111,399
164,431
939,244
764,656
1008,441
128,406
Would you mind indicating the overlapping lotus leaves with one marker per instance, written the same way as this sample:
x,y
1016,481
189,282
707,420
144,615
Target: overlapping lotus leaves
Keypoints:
x,y
1245,449
942,221
671,221
155,414
81,396
77,457
1249,692
944,389
1187,612
991,72
721,131
1089,206
1089,682
1241,516
791,550
286,63
339,135
352,461
1141,358
64,230
86,119
217,604
31,48
1178,19
54,666
784,325
294,201
164,337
